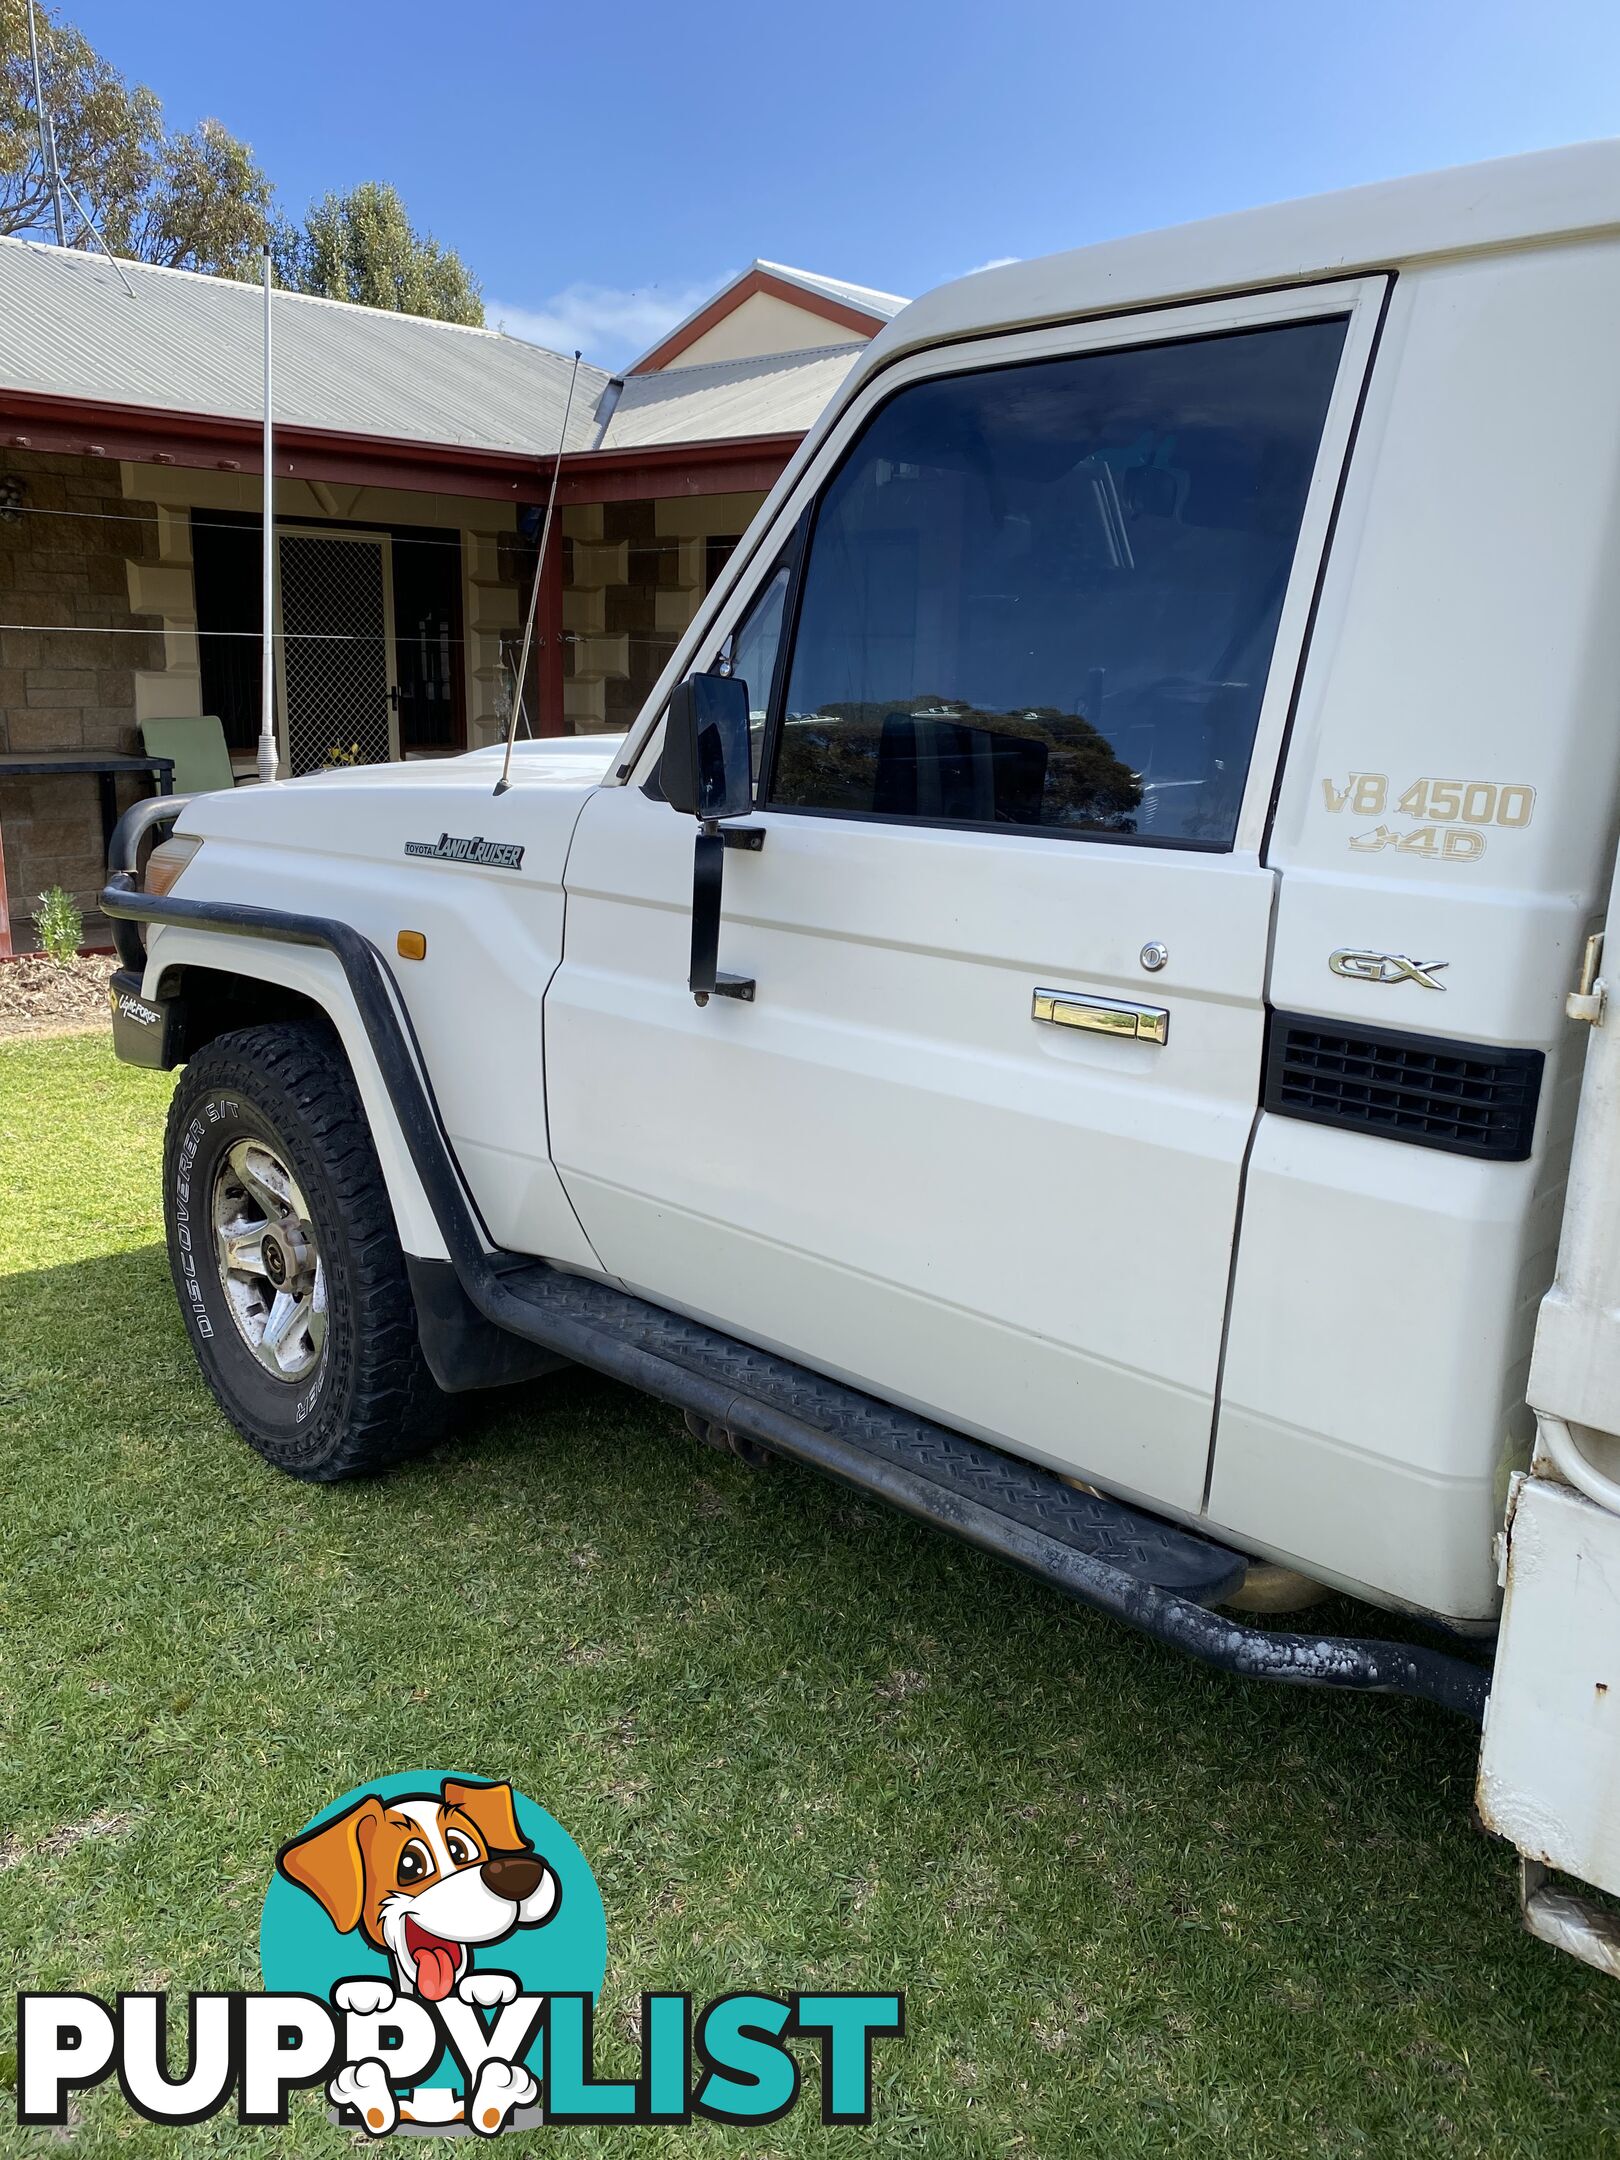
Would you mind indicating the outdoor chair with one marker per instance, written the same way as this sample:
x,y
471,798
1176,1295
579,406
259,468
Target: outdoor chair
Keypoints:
x,y
196,742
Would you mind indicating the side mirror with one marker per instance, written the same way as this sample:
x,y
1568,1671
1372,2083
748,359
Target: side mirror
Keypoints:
x,y
705,771
706,763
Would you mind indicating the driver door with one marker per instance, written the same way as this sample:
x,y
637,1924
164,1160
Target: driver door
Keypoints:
x,y
1021,656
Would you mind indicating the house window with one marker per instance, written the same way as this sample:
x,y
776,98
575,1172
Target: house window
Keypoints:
x,y
718,550
427,642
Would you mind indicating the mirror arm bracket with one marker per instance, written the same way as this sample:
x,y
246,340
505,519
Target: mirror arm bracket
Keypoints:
x,y
706,979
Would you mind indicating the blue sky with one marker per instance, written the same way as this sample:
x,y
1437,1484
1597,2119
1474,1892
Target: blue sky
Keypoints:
x,y
603,169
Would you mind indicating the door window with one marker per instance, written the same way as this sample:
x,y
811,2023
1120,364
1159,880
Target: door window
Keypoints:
x,y
754,647
1045,596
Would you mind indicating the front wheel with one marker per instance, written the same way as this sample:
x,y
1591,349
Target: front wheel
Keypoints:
x,y
286,1261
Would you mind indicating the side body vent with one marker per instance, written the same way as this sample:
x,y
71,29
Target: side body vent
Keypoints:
x,y
1468,1098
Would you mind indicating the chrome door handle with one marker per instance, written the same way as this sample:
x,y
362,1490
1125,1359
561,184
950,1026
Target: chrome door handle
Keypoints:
x,y
1102,1016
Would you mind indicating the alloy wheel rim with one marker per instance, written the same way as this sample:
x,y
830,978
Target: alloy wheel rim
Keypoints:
x,y
269,1260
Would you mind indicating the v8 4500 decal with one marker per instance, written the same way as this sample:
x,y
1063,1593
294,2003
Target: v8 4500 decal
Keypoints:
x,y
1451,817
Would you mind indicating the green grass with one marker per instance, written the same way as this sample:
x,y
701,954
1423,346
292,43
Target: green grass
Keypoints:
x,y
1136,1908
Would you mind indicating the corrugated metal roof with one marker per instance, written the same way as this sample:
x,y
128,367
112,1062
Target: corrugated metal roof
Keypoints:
x,y
188,343
776,394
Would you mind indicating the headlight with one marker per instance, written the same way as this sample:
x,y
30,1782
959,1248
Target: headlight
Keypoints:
x,y
166,861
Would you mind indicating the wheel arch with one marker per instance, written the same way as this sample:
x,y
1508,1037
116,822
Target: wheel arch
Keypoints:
x,y
243,982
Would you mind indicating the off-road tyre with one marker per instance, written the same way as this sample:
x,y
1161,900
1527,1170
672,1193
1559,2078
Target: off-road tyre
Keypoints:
x,y
368,1399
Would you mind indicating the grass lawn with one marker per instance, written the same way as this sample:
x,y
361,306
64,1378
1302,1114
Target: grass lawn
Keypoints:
x,y
1136,1908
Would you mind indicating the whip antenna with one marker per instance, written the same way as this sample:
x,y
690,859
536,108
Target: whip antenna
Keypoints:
x,y
505,781
47,134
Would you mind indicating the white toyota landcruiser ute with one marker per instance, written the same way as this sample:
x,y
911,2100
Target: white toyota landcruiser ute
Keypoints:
x,y
1076,1009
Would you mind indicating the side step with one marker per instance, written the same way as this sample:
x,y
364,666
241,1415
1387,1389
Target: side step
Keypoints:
x,y
1151,1574
961,1470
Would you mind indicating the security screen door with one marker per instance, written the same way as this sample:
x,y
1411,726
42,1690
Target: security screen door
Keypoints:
x,y
335,674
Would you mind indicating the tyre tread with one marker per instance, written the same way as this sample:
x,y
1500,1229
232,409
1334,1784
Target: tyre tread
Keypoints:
x,y
395,1407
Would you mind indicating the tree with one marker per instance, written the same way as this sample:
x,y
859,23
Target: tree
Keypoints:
x,y
1032,765
195,201
363,247
210,209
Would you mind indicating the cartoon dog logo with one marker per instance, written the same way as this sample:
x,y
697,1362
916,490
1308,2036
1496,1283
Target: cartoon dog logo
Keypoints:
x,y
427,1878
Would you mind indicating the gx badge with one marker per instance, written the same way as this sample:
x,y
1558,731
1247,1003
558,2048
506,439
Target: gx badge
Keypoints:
x,y
1385,967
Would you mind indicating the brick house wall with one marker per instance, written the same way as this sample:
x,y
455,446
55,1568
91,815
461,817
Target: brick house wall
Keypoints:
x,y
64,559
634,574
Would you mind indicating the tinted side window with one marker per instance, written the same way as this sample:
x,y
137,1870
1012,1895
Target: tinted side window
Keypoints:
x,y
1046,595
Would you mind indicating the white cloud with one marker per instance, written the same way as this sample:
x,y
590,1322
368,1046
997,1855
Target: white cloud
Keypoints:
x,y
996,262
610,326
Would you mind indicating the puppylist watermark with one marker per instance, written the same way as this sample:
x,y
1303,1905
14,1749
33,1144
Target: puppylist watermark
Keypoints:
x,y
432,1948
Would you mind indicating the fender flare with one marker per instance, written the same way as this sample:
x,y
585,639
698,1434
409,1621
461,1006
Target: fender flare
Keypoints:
x,y
317,975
